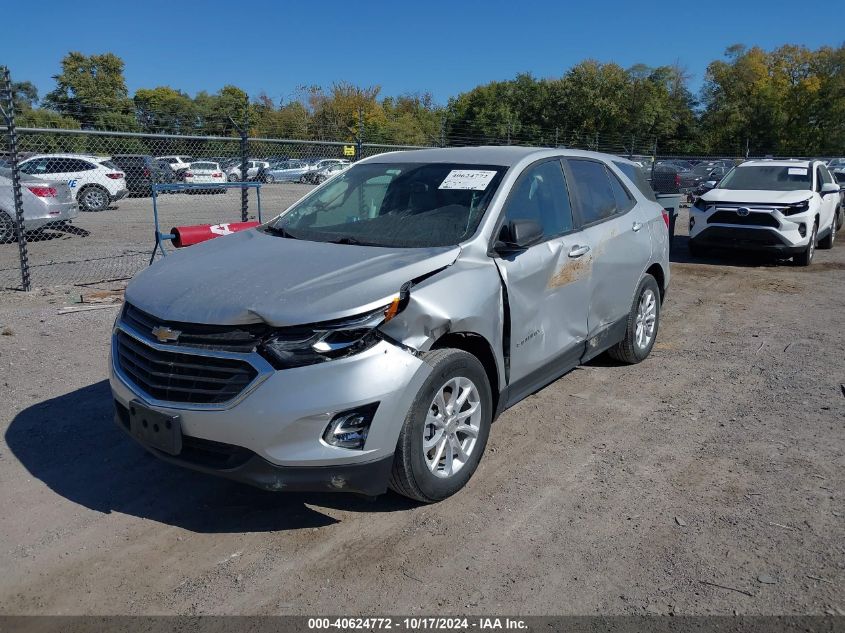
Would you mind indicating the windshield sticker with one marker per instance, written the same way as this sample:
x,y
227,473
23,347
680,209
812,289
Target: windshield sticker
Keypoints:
x,y
797,171
473,179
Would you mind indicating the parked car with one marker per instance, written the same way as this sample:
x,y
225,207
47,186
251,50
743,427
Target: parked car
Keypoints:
x,y
711,173
140,171
319,170
780,206
205,173
45,203
177,163
233,173
681,165
670,178
329,170
95,182
287,171
412,298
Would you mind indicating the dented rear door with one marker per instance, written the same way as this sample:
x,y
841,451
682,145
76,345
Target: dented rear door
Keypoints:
x,y
547,285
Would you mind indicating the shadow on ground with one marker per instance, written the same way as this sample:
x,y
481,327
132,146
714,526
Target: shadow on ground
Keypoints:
x,y
73,446
680,254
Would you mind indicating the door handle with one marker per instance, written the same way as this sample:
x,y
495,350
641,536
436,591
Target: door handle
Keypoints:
x,y
636,226
578,251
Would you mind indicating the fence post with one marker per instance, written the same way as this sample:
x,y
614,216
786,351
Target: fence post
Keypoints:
x,y
359,140
653,159
7,107
245,161
443,131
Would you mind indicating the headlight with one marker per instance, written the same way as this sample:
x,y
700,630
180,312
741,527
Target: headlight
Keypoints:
x,y
798,207
321,342
700,205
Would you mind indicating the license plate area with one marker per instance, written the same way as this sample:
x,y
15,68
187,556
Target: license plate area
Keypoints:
x,y
154,428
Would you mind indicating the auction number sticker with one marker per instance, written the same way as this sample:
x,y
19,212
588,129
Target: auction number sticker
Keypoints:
x,y
797,171
472,179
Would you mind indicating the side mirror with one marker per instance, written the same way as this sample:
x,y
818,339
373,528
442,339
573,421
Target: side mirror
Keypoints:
x,y
707,186
518,235
828,188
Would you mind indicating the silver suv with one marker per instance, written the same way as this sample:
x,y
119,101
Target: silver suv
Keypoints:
x,y
369,335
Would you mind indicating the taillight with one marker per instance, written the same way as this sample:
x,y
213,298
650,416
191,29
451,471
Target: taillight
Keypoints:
x,y
216,175
677,180
188,174
147,172
115,175
43,192
666,217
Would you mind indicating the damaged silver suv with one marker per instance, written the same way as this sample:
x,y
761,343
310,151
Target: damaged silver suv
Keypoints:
x,y
369,335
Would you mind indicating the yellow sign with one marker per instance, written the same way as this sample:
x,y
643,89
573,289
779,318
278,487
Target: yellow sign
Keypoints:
x,y
349,150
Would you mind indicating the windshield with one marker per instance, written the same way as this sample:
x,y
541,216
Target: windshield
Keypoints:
x,y
768,178
413,205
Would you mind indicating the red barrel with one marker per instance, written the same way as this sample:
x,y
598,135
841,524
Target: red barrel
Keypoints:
x,y
190,235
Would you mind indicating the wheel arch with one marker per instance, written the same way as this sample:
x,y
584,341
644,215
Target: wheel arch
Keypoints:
x,y
475,344
656,271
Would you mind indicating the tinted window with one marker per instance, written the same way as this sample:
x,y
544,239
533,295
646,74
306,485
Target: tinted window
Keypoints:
x,y
636,176
624,201
840,177
540,194
35,166
594,191
826,177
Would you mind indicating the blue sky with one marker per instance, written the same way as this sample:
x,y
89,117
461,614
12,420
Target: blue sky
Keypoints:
x,y
435,45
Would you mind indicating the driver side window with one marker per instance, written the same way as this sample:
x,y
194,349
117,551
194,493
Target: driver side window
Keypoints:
x,y
541,195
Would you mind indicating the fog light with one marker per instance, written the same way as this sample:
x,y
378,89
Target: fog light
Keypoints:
x,y
802,230
349,429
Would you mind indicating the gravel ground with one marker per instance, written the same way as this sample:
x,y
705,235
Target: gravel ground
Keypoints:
x,y
707,480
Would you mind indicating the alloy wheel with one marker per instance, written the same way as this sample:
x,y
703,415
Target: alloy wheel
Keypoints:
x,y
452,426
646,318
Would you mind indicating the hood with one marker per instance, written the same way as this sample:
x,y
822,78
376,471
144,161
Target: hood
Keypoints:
x,y
751,196
250,277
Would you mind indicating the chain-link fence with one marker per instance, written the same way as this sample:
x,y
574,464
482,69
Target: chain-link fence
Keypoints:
x,y
87,197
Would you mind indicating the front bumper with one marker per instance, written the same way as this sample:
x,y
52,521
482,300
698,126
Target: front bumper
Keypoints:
x,y
277,423
744,238
759,231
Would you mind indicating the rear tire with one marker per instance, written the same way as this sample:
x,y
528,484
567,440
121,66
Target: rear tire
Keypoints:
x,y
94,199
440,444
806,258
643,322
7,229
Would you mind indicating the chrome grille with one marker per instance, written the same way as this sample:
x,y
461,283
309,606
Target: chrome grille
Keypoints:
x,y
181,377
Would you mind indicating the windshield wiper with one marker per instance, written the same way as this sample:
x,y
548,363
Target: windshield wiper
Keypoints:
x,y
280,231
351,241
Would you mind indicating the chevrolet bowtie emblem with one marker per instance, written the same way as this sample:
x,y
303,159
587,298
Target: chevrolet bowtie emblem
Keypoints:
x,y
166,334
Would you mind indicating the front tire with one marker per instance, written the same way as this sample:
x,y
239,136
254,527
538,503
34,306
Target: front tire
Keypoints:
x,y
269,179
830,238
446,429
643,322
806,258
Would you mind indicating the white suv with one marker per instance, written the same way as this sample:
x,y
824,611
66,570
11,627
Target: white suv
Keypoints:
x,y
95,182
783,206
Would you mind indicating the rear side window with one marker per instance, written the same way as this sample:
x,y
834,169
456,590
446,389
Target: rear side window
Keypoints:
x,y
594,191
541,194
624,201
108,164
636,176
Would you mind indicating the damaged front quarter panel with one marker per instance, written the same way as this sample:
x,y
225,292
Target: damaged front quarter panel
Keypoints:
x,y
463,298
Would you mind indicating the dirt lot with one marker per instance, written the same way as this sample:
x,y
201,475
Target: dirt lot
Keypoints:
x,y
614,490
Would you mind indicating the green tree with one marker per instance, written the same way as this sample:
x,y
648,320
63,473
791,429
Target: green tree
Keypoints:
x,y
92,90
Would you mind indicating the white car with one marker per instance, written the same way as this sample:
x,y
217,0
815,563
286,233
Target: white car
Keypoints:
x,y
782,206
330,170
177,163
205,173
252,168
95,182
